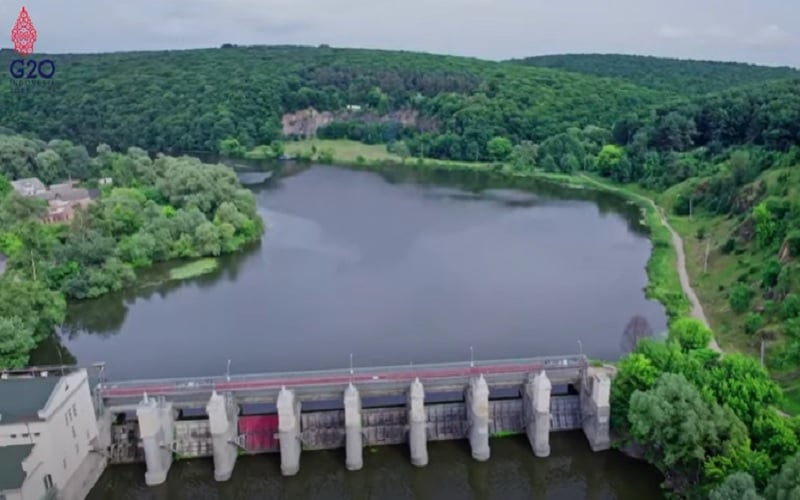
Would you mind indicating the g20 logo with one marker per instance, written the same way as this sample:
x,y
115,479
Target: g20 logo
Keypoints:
x,y
31,68
23,35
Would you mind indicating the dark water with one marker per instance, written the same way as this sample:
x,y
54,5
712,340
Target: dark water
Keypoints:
x,y
572,472
393,272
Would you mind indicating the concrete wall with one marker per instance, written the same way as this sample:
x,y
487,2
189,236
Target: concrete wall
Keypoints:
x,y
71,427
63,440
324,430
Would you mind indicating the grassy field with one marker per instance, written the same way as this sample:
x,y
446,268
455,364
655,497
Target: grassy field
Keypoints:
x,y
342,151
353,153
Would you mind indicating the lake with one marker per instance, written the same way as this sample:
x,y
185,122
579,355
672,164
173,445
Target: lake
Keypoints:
x,y
395,271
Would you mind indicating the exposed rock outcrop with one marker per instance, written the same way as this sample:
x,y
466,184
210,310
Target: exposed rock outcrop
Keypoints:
x,y
306,122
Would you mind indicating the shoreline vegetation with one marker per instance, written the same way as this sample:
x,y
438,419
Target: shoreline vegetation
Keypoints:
x,y
146,210
194,269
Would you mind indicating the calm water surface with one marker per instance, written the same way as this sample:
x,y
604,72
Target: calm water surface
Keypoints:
x,y
393,272
572,472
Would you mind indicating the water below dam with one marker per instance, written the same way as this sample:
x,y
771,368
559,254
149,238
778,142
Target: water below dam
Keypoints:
x,y
392,272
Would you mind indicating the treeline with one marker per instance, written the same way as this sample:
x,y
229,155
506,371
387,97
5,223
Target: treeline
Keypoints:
x,y
157,209
192,100
685,77
707,422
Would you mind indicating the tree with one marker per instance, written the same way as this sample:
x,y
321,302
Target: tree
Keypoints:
x,y
690,333
636,329
772,434
740,298
786,484
635,372
679,430
499,148
231,147
608,160
752,323
790,308
16,341
40,309
738,486
741,383
766,227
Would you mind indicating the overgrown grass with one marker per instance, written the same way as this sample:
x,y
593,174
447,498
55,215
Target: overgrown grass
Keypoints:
x,y
193,269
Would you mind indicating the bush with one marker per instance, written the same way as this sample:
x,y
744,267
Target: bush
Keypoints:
x,y
792,328
729,246
793,240
690,334
740,298
790,308
752,323
770,273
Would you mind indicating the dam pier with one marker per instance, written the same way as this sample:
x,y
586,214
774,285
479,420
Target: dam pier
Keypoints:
x,y
159,421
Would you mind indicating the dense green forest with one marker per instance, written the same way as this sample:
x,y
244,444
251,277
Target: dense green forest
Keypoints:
x,y
715,141
684,77
192,100
167,208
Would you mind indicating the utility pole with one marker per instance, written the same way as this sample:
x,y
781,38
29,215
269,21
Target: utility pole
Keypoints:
x,y
691,206
762,352
708,250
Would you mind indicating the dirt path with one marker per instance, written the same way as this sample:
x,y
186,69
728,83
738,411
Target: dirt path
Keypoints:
x,y
677,243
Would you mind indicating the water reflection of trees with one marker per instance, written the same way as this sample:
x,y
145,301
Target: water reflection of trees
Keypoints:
x,y
51,352
104,316
475,181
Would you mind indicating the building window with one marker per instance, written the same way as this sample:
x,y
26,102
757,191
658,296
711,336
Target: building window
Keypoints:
x,y
48,482
36,434
13,436
25,434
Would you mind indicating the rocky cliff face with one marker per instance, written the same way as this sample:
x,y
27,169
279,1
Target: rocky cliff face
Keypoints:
x,y
306,122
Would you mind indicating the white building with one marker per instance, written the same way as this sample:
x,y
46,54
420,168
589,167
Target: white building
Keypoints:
x,y
48,429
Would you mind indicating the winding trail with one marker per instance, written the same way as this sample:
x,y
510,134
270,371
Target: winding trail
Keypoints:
x,y
677,243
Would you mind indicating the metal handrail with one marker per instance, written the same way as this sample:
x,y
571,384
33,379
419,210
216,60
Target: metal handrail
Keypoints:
x,y
322,378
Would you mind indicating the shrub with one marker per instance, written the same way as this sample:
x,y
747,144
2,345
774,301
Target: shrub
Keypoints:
x,y
790,308
752,323
740,298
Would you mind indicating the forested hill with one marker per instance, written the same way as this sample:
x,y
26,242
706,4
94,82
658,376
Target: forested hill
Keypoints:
x,y
191,100
686,77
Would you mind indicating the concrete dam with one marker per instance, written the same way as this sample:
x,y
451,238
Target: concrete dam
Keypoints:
x,y
158,421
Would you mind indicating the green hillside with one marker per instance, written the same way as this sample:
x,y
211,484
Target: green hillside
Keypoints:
x,y
191,100
686,77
